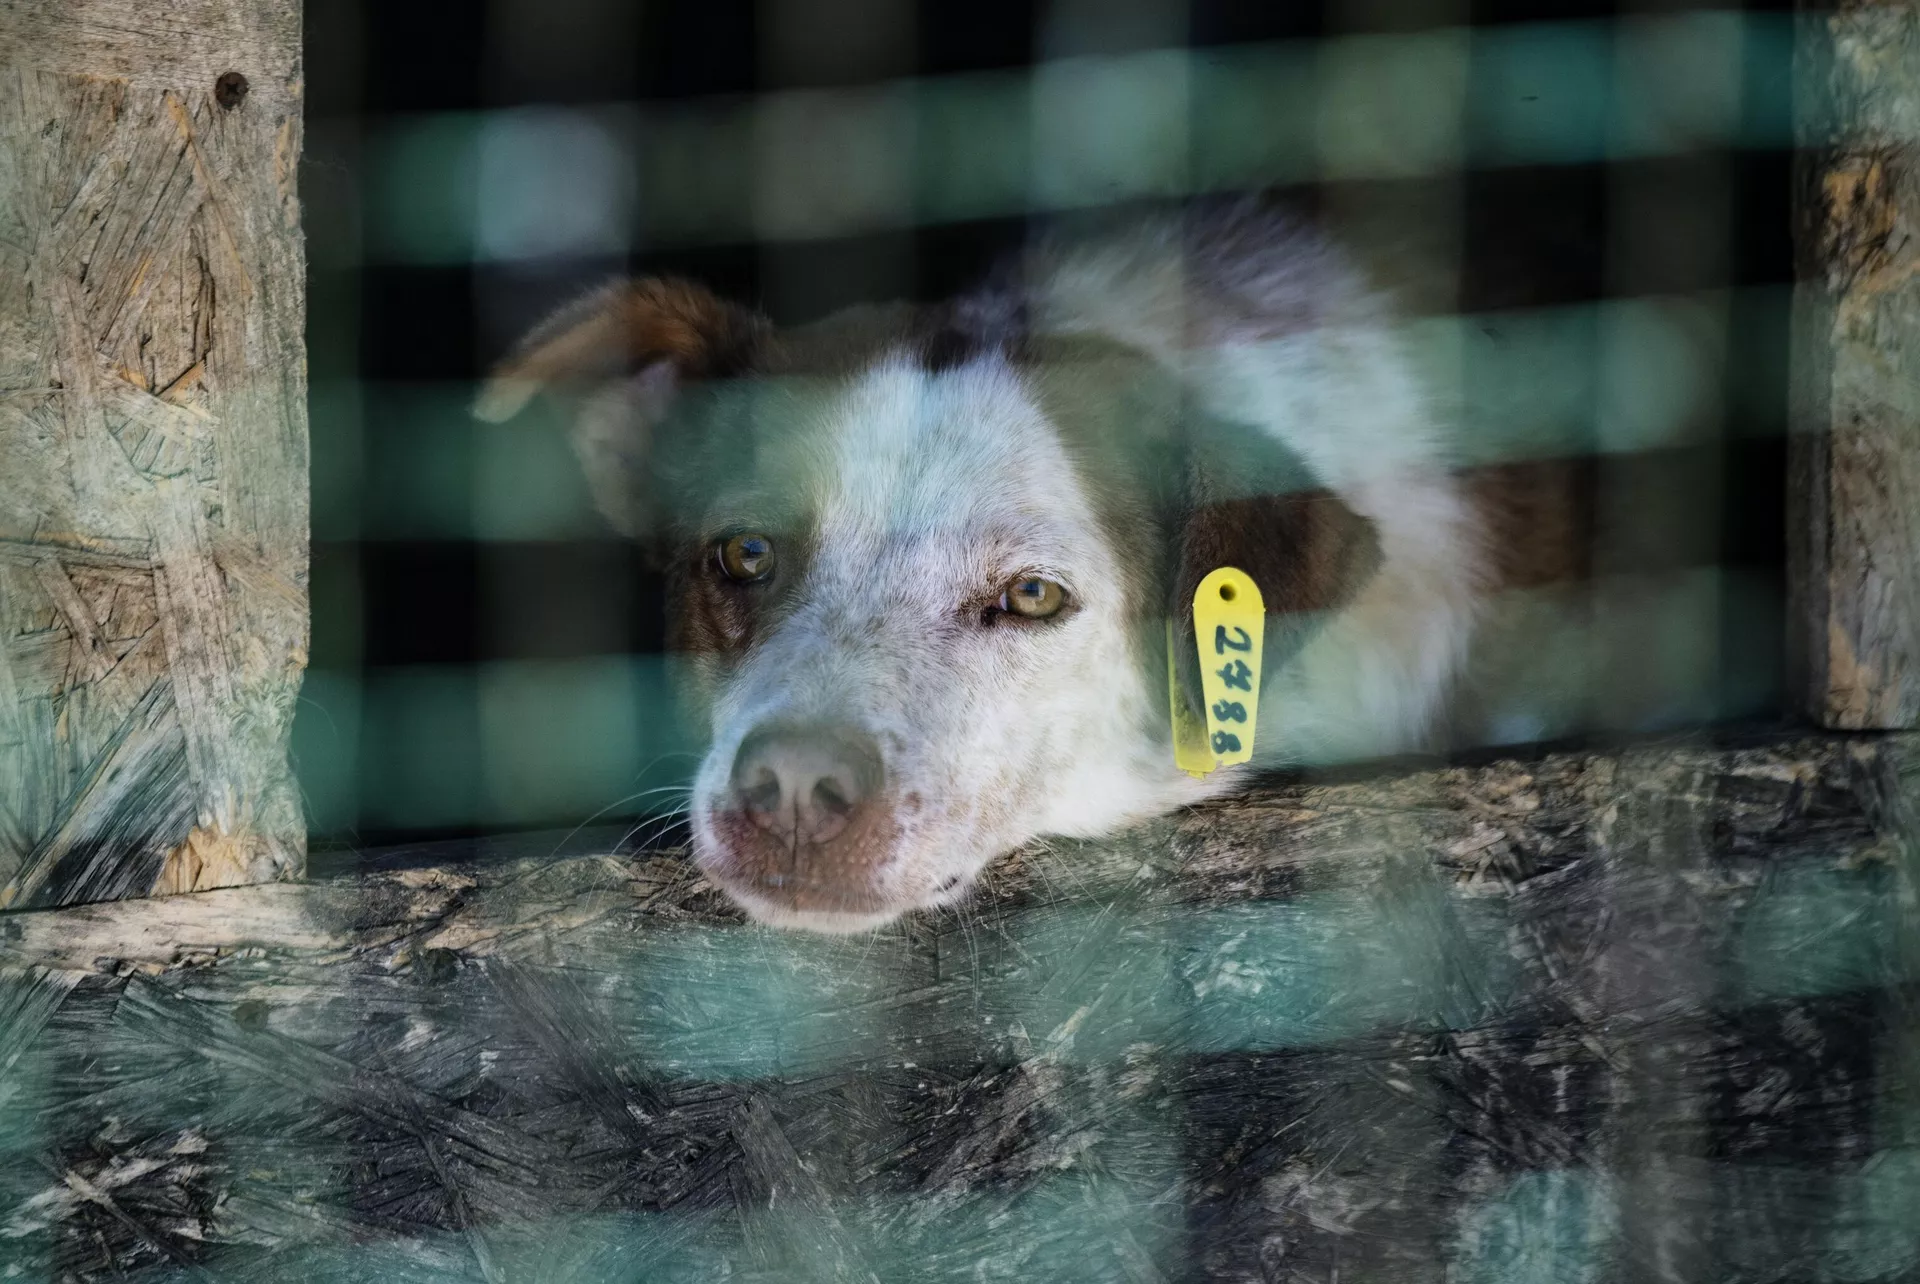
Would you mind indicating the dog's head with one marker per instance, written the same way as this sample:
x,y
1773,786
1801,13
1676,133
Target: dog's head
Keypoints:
x,y
921,567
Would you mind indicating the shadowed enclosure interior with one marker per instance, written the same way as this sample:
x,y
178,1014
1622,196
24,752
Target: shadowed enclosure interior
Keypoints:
x,y
1585,214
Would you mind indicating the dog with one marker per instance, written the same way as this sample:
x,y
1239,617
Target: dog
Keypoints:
x,y
922,559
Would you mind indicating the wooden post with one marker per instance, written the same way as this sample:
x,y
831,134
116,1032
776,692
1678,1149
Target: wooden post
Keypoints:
x,y
153,446
1854,525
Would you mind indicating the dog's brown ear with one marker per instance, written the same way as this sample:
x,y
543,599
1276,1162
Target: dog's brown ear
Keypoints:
x,y
622,354
1307,550
623,329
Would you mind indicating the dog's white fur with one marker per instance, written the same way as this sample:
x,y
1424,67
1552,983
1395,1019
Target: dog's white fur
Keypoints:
x,y
929,487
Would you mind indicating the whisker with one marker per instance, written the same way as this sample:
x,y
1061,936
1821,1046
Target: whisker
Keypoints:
x,y
653,829
678,753
686,789
656,827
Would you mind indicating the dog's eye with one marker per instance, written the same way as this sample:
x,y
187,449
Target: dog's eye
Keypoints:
x,y
746,557
1033,598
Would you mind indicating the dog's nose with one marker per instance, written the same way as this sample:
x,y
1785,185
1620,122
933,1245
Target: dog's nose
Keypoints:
x,y
805,783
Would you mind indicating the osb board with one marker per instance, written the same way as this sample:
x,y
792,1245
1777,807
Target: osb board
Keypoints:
x,y
153,512
1642,1015
1854,528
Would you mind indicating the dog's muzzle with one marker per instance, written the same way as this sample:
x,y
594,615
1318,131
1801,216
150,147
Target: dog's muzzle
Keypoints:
x,y
805,824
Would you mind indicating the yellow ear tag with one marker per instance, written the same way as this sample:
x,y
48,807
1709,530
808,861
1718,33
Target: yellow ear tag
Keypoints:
x,y
1229,625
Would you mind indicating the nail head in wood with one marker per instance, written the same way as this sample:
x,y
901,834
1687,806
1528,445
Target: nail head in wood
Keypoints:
x,y
230,89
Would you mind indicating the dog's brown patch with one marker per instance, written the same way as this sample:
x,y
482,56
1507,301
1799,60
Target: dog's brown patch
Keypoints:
x,y
1308,552
1538,516
714,617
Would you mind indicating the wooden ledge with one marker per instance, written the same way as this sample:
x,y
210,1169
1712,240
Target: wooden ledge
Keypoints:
x,y
1682,809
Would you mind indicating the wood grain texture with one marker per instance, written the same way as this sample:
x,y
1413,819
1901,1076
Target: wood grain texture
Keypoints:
x,y
179,45
1630,1014
153,513
1854,459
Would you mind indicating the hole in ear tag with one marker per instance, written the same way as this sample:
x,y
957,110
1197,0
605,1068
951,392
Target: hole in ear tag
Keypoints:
x,y
1229,625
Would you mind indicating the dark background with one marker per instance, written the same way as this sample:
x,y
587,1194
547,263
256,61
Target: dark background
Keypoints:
x,y
389,604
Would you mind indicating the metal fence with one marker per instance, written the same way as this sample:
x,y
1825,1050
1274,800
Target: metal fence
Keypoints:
x,y
1577,1017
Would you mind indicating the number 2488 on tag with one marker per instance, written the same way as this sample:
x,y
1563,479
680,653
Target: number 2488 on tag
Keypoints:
x,y
1229,624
